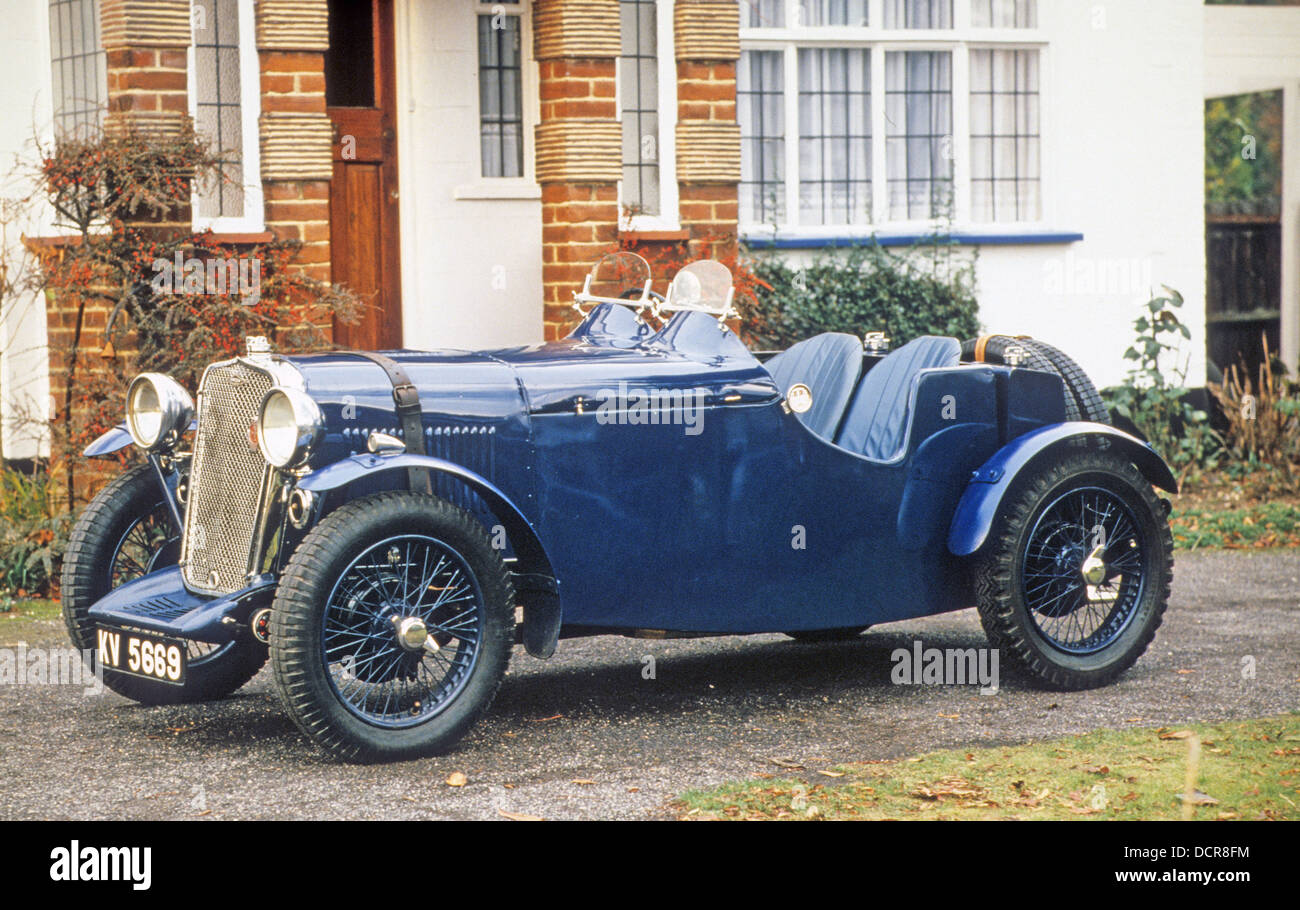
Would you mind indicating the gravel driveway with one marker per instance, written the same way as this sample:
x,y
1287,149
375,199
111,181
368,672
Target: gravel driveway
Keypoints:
x,y
586,735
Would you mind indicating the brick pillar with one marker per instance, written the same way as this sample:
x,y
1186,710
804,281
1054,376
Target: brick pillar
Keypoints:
x,y
295,132
707,46
145,44
579,145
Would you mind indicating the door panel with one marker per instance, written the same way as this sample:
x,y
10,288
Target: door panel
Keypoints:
x,y
364,235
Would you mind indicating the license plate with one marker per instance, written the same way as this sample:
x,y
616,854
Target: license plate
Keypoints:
x,y
141,654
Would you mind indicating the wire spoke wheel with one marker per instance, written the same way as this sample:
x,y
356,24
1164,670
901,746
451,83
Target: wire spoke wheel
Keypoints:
x,y
402,630
1075,576
123,534
1084,569
150,543
392,627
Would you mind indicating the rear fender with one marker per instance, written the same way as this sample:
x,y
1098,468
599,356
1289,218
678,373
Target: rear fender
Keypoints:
x,y
534,578
989,484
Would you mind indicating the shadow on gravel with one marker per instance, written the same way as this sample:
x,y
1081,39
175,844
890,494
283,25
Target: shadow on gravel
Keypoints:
x,y
776,671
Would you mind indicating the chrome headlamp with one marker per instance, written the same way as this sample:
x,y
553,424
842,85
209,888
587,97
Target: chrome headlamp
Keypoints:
x,y
158,411
289,425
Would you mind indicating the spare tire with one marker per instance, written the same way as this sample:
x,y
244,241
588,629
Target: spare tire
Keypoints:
x,y
1082,401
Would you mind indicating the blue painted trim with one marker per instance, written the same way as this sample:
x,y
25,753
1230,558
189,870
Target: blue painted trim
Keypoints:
x,y
961,238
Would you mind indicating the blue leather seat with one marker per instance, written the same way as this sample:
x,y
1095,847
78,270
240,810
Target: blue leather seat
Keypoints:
x,y
829,365
877,419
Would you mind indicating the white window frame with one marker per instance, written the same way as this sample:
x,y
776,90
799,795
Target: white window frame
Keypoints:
x,y
669,217
525,186
253,221
959,40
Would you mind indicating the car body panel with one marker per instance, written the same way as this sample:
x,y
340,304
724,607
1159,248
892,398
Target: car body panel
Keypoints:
x,y
659,481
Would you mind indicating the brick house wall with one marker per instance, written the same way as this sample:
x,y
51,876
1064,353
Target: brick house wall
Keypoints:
x,y
294,130
578,139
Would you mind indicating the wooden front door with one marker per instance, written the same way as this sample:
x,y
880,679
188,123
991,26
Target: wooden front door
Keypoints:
x,y
360,95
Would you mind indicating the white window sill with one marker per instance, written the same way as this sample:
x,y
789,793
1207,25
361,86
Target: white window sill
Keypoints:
x,y
229,225
499,188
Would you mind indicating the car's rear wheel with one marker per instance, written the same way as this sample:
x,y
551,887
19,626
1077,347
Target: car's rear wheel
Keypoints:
x,y
126,532
392,627
1075,577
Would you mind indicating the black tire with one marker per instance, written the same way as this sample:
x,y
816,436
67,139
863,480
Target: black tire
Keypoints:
x,y
809,636
91,568
1006,582
308,682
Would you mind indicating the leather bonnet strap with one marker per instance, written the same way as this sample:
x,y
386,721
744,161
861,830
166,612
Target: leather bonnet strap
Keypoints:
x,y
406,400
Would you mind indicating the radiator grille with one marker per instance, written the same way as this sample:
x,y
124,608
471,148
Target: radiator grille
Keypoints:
x,y
225,480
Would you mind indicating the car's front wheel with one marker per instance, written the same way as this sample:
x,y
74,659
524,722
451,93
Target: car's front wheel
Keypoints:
x,y
392,628
1075,577
124,533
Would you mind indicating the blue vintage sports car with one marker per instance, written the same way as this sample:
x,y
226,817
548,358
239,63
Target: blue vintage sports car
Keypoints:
x,y
387,526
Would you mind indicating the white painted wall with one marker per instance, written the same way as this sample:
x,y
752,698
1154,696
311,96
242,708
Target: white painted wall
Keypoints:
x,y
1123,164
1257,49
24,109
471,249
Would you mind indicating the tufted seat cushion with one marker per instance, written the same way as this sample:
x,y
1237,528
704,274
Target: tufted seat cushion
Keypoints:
x,y
877,418
829,365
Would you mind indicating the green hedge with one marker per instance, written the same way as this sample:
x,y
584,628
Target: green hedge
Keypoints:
x,y
922,290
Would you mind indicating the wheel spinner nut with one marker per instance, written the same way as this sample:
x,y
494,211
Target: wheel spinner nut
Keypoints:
x,y
411,632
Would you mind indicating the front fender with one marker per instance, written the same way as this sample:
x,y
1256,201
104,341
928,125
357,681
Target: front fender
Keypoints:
x,y
109,442
983,495
114,440
535,580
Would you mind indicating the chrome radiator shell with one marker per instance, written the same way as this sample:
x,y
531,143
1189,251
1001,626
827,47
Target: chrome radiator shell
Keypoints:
x,y
229,478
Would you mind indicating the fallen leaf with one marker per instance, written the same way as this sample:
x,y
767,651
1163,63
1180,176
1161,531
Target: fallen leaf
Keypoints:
x,y
1198,799
949,716
1176,734
456,779
522,817
831,773
786,763
583,782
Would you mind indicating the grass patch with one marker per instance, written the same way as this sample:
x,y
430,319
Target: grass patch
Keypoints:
x,y
1246,770
1260,524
